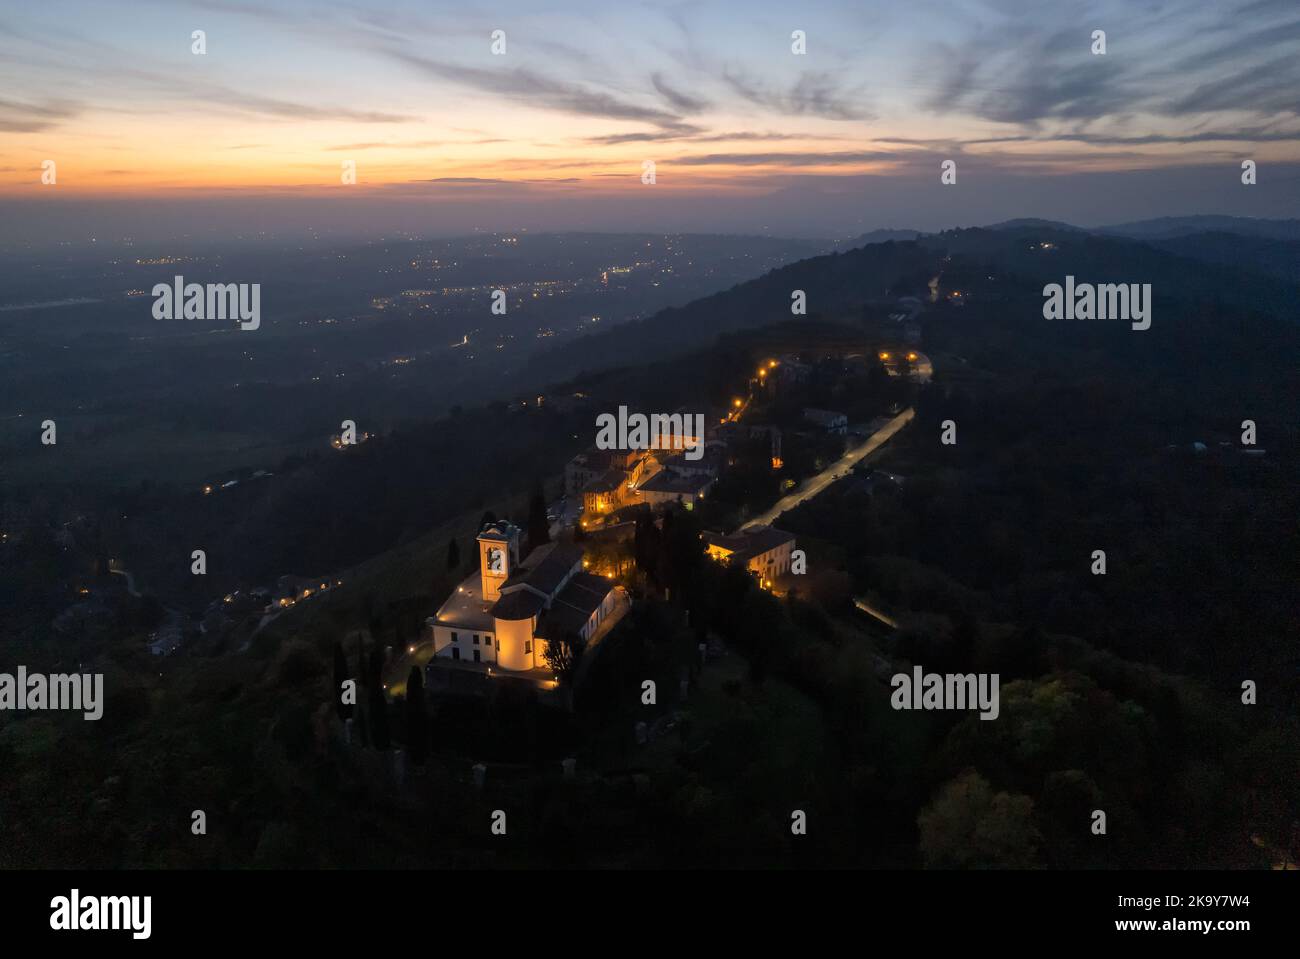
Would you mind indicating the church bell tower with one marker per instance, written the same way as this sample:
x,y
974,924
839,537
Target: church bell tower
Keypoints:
x,y
498,556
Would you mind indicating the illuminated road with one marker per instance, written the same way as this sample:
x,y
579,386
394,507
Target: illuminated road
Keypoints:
x,y
840,467
871,611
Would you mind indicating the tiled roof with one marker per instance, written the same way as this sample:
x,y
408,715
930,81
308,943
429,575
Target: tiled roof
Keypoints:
x,y
580,598
749,543
500,530
545,568
606,482
670,481
521,604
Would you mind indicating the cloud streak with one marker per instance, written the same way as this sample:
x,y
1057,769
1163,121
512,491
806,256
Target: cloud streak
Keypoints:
x,y
813,94
18,117
551,93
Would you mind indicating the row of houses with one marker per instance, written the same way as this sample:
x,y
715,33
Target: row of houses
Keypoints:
x,y
608,480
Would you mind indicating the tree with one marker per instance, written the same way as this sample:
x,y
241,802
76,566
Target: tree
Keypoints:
x,y
380,737
417,719
968,825
964,643
563,655
363,726
340,677
539,527
646,543
453,554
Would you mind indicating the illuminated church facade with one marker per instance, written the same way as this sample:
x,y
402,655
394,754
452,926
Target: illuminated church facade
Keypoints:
x,y
507,612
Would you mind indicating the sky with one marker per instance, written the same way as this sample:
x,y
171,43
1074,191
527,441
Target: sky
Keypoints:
x,y
150,139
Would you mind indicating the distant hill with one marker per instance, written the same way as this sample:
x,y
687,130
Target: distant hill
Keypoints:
x,y
835,283
1172,226
1166,227
1253,254
1026,222
877,236
1188,272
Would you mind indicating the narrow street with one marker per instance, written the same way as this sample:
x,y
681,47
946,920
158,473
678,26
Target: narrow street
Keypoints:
x,y
816,484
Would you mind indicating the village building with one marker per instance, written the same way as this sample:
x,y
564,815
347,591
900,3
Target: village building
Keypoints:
x,y
764,550
676,486
608,492
594,463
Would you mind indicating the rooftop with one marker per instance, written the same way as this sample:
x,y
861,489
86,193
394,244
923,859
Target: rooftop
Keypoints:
x,y
466,608
747,544
671,481
545,568
606,482
575,604
519,604
501,531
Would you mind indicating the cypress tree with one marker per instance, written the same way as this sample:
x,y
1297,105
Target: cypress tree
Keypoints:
x,y
539,527
362,725
340,677
453,554
417,719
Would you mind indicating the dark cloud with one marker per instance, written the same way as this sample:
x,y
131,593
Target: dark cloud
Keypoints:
x,y
1032,75
677,100
410,144
1242,48
553,94
1272,87
813,94
221,95
1035,78
287,109
660,136
16,117
463,180
844,158
1243,135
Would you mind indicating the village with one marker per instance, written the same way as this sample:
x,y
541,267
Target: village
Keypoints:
x,y
535,604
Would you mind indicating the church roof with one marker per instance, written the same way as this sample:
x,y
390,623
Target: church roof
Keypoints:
x,y
501,530
521,604
580,598
545,568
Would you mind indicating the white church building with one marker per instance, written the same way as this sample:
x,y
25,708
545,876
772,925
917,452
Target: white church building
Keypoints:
x,y
505,614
